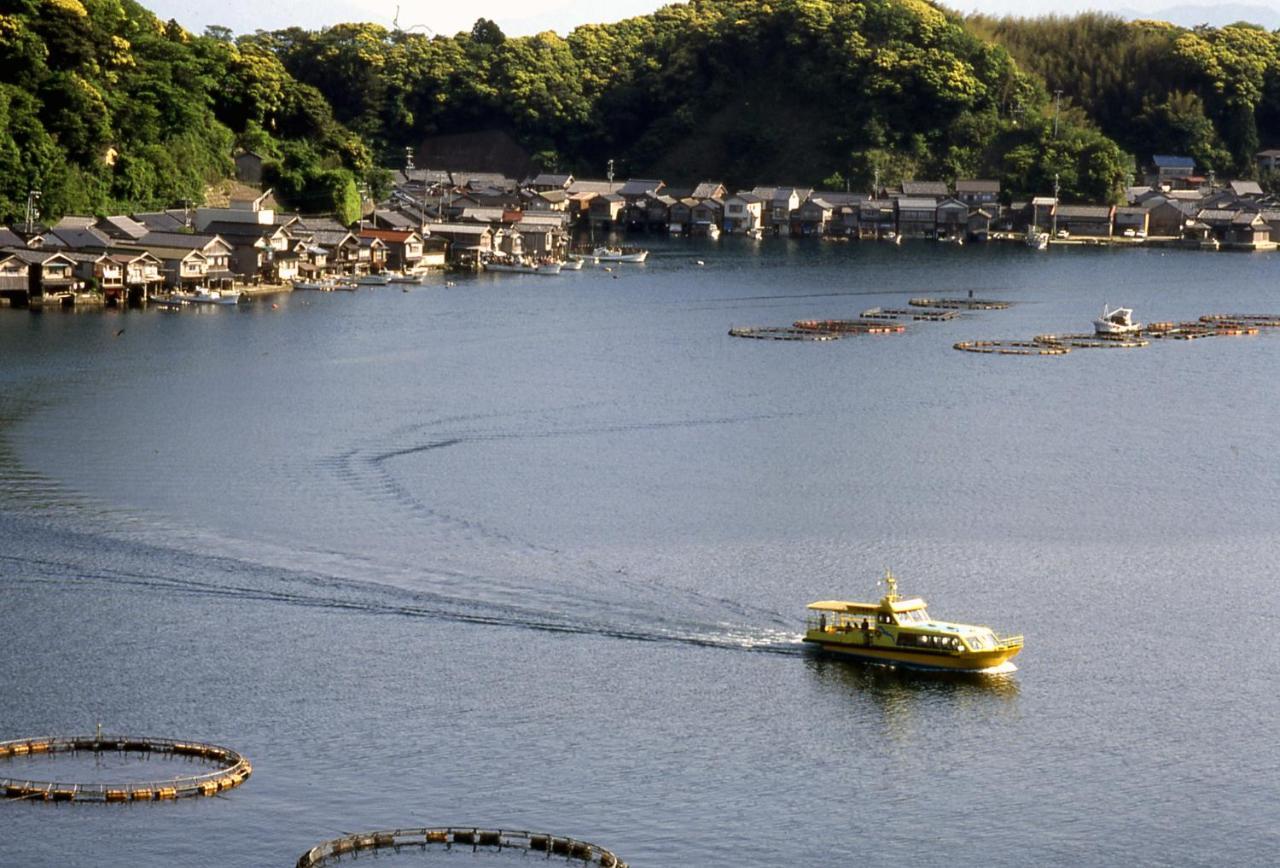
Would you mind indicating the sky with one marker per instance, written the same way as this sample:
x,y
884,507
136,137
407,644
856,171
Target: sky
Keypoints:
x,y
520,17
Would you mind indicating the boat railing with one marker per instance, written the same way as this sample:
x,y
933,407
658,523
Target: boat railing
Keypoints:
x,y
1010,641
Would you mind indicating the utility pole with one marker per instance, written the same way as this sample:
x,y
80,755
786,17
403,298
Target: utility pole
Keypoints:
x,y
610,175
1057,99
33,210
1055,204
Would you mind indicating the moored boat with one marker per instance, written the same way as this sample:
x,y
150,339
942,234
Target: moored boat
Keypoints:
x,y
373,279
208,296
620,254
900,632
571,264
1116,321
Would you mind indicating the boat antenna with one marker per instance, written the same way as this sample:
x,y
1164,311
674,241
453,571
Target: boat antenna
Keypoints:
x,y
892,582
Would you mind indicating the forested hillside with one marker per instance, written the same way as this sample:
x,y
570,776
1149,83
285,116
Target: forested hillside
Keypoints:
x,y
103,107
1210,93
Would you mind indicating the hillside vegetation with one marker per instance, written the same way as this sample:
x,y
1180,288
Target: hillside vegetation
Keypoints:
x,y
103,107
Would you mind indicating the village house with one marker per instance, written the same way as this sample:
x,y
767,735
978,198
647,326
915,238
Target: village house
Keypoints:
x,y
99,272
548,181
877,218
707,213
403,248
812,217
1174,171
978,224
253,249
1132,221
30,275
952,219
372,255
681,215
637,194
184,267
655,209
211,269
606,209
925,189
917,217
979,193
342,250
466,240
1235,228
1090,221
743,213
1269,160
142,275
1246,189
1042,211
710,190
249,167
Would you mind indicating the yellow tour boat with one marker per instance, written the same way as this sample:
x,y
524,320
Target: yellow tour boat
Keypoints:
x,y
899,632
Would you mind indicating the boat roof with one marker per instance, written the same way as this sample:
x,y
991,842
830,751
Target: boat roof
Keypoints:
x,y
910,605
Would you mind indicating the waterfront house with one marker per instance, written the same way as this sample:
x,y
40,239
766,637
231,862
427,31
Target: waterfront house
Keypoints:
x,y
212,268
1133,221
917,217
342,250
783,201
253,248
979,193
952,219
403,249
183,267
30,275
706,214
372,255
435,253
1247,231
1090,221
877,218
606,209
387,218
549,200
743,213
812,217
466,240
656,209
1166,217
978,224
710,190
98,271
142,274
681,215
637,194
1271,216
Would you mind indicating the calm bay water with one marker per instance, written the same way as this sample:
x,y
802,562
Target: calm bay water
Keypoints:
x,y
533,552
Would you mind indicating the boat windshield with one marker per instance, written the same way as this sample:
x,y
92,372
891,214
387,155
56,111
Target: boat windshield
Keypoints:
x,y
915,616
982,640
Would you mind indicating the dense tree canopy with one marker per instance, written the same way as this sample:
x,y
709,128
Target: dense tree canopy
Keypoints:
x,y
104,107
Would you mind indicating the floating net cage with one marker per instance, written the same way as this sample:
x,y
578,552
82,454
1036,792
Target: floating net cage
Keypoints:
x,y
960,303
230,769
780,333
464,839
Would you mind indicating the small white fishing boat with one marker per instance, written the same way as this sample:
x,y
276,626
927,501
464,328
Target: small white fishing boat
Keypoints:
x,y
314,285
571,264
373,279
208,296
620,254
1037,240
1116,321
406,278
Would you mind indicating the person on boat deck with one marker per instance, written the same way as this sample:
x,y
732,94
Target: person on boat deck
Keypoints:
x,y
865,626
822,622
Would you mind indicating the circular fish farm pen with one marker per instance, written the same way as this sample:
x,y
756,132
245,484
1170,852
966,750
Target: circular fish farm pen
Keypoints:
x,y
779,333
1092,341
937,314
230,769
464,839
1264,320
850,326
960,303
1012,348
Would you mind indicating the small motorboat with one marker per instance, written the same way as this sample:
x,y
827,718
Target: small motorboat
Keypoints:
x,y
1117,321
620,254
373,279
414,279
208,296
900,632
571,265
